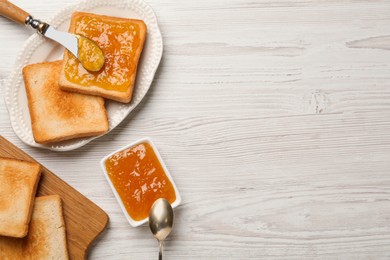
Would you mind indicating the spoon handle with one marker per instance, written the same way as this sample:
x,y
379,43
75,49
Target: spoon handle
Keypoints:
x,y
160,245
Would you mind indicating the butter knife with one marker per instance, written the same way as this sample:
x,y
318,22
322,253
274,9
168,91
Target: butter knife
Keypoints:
x,y
68,40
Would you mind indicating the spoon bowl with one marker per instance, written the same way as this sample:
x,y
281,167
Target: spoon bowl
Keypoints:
x,y
161,221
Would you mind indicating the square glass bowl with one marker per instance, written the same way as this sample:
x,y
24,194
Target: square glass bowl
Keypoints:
x,y
133,222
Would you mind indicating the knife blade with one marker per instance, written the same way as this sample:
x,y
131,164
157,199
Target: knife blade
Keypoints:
x,y
69,41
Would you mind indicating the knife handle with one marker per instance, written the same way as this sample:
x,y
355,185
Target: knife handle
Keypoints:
x,y
13,12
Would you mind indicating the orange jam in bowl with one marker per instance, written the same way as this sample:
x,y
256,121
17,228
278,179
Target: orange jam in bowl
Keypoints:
x,y
139,178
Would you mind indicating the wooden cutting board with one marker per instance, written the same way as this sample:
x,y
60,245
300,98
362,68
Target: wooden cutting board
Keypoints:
x,y
84,220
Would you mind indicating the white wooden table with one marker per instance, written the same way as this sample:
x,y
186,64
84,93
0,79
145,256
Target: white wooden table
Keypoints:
x,y
274,119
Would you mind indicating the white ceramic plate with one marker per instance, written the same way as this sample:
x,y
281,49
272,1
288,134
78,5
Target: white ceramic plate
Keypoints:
x,y
131,221
38,49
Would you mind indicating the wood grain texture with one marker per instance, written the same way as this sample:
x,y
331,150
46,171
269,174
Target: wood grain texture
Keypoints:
x,y
11,11
84,221
274,120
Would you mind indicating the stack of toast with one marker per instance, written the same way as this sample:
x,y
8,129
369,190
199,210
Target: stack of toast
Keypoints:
x,y
65,100
30,227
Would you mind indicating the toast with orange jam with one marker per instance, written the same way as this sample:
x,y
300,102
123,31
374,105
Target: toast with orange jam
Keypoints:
x,y
121,41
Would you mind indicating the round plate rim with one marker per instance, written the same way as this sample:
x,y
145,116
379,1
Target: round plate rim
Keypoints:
x,y
84,5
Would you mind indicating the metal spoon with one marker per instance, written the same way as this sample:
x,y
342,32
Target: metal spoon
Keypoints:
x,y
161,221
85,50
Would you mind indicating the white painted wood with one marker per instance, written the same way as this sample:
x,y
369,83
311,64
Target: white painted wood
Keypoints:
x,y
274,120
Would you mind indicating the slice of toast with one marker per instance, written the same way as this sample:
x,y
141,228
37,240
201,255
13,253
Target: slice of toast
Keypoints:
x,y
57,115
18,185
46,238
121,41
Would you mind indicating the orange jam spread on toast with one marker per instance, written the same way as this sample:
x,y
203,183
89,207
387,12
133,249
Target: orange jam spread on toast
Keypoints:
x,y
89,54
139,179
118,41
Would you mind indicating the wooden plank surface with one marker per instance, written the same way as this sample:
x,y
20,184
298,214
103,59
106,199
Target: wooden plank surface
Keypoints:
x,y
273,118
84,221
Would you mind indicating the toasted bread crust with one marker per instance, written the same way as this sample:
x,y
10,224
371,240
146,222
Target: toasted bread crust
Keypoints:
x,y
57,115
19,180
119,96
46,238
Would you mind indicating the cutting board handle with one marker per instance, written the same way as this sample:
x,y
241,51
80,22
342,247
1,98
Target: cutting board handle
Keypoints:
x,y
13,12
